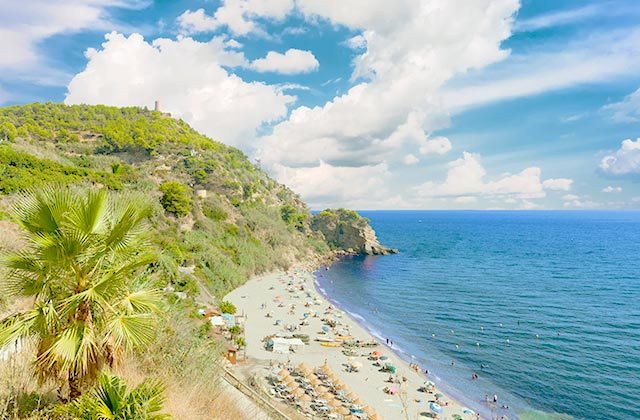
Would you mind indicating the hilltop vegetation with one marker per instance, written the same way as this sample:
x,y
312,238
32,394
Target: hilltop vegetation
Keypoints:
x,y
214,220
224,216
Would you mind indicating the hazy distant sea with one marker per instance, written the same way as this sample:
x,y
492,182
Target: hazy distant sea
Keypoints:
x,y
548,302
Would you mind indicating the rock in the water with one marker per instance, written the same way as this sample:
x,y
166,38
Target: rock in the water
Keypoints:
x,y
347,231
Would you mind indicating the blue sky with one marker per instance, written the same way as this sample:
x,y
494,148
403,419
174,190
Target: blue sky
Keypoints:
x,y
366,103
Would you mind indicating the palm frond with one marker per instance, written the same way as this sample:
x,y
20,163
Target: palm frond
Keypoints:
x,y
90,217
112,400
16,327
143,301
132,331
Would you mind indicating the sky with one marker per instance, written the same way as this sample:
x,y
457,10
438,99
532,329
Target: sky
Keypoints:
x,y
368,104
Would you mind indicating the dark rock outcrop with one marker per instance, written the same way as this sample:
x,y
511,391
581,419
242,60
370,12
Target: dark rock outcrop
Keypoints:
x,y
347,231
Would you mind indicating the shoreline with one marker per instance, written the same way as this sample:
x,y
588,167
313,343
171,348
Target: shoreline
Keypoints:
x,y
369,382
455,394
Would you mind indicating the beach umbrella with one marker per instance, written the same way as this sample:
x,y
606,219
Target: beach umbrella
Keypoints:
x,y
352,396
289,380
456,417
435,408
334,403
375,416
326,396
302,367
370,411
305,398
340,385
343,411
358,401
315,382
429,383
356,365
298,393
438,395
469,411
283,373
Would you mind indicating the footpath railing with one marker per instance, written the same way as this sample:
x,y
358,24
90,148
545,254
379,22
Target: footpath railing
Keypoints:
x,y
258,399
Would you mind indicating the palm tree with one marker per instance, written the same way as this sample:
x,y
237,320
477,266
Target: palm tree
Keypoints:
x,y
81,268
111,400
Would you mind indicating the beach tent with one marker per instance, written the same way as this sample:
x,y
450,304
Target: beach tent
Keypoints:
x,y
216,321
435,408
229,320
285,345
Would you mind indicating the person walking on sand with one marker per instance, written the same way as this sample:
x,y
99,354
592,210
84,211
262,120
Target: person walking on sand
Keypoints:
x,y
495,398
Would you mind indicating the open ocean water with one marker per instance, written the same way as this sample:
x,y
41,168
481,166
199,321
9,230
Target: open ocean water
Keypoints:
x,y
547,302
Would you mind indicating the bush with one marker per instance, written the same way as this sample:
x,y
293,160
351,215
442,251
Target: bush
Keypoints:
x,y
8,131
176,198
213,212
235,330
227,307
240,342
292,216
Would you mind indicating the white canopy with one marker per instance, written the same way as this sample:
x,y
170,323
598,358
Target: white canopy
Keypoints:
x,y
284,345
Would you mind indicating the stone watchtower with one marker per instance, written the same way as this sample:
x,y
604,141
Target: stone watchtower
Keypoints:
x,y
157,106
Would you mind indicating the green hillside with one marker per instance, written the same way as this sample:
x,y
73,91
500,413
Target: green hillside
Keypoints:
x,y
234,220
216,220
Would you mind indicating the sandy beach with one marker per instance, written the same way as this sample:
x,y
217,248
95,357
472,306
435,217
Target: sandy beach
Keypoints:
x,y
286,298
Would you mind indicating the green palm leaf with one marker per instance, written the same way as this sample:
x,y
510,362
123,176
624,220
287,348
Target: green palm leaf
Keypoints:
x,y
85,254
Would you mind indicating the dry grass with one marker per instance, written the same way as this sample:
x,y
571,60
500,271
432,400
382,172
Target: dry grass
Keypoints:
x,y
186,400
21,397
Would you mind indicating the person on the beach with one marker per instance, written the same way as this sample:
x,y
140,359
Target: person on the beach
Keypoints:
x,y
495,398
486,398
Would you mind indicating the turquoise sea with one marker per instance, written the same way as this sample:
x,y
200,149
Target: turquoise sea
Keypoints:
x,y
547,302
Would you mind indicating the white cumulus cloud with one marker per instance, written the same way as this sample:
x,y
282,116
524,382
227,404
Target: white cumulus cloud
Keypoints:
x,y
187,77
557,184
625,160
466,177
293,61
438,145
410,159
406,51
239,16
196,22
611,189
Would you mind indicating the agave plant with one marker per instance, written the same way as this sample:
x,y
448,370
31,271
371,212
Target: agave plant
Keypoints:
x,y
82,269
110,400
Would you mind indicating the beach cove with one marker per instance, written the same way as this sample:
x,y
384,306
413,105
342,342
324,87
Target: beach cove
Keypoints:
x,y
272,302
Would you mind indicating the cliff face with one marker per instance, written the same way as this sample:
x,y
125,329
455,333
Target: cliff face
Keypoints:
x,y
347,231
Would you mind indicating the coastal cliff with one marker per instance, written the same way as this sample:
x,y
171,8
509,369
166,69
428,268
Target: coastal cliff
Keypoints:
x,y
347,231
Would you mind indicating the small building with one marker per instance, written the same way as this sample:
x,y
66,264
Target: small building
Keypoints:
x,y
201,193
231,354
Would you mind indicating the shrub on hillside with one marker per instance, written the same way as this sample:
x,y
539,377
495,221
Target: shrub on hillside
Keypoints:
x,y
176,198
227,307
